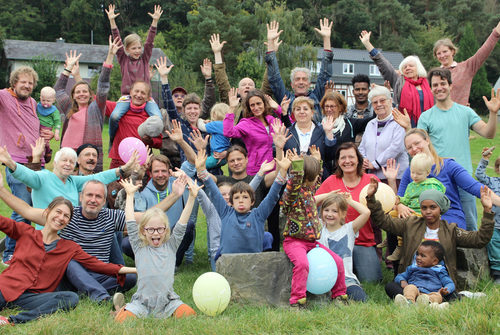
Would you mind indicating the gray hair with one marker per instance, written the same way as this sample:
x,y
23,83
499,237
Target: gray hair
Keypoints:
x,y
420,68
378,90
300,69
95,181
65,152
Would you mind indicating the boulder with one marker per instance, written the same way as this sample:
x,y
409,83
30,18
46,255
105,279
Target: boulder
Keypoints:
x,y
472,265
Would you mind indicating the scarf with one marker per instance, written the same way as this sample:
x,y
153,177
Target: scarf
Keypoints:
x,y
438,197
45,111
338,125
381,123
137,109
410,99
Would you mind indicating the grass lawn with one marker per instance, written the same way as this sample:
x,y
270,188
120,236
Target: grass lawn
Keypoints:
x,y
378,316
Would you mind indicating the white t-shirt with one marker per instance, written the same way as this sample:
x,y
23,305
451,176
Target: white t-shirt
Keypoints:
x,y
431,234
341,242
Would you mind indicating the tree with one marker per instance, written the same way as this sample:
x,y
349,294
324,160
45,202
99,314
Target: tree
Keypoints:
x,y
46,68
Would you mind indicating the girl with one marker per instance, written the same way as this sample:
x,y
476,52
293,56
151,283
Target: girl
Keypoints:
x,y
339,236
303,226
134,65
154,251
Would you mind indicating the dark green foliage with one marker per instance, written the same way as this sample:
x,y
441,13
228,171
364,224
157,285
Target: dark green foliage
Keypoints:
x,y
46,68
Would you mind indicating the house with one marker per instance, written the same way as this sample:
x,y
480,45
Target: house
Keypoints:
x,y
349,62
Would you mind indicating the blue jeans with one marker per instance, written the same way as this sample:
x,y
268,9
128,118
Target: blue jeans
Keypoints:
x,y
356,293
121,108
494,251
19,190
127,247
115,254
469,207
97,286
193,218
366,264
35,305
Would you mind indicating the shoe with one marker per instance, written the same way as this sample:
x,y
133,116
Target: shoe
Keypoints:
x,y
341,300
396,255
300,304
471,295
443,305
8,261
382,245
423,300
5,321
401,301
118,301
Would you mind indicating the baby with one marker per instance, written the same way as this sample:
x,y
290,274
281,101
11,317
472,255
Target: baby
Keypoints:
x,y
48,114
218,142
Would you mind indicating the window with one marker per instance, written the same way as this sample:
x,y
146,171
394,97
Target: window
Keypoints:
x,y
374,70
348,68
343,92
93,70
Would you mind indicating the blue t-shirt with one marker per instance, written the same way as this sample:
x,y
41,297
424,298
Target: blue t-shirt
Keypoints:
x,y
218,142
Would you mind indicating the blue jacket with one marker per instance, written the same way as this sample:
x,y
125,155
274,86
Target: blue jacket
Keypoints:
x,y
279,90
427,279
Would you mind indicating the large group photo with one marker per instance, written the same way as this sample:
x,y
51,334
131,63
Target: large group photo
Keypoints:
x,y
249,167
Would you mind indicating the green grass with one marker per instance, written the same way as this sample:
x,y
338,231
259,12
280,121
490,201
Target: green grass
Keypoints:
x,y
378,316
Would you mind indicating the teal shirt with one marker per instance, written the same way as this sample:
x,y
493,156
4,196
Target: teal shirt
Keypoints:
x,y
449,132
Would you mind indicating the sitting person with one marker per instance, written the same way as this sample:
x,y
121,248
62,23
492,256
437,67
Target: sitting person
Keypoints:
x,y
426,280
218,143
339,236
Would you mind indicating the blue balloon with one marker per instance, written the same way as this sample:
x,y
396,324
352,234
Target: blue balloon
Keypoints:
x,y
322,271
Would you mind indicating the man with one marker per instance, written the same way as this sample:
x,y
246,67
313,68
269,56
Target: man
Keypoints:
x,y
362,108
448,124
87,159
300,77
20,129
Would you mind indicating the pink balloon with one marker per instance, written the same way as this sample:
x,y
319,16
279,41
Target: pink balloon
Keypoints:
x,y
127,147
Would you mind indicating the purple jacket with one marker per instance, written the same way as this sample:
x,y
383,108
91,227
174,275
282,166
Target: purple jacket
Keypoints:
x,y
257,139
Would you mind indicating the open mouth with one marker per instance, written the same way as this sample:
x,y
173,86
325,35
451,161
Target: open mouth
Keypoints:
x,y
156,241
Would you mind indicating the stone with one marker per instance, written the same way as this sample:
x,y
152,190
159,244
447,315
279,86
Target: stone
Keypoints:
x,y
472,265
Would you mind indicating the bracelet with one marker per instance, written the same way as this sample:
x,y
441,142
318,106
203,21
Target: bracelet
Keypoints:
x,y
209,80
122,173
65,69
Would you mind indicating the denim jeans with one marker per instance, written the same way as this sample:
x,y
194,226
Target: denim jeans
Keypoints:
x,y
19,190
115,253
469,207
97,286
356,293
366,264
35,305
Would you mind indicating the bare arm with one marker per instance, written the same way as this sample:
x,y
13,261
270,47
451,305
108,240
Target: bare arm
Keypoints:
x,y
488,130
112,16
20,206
364,214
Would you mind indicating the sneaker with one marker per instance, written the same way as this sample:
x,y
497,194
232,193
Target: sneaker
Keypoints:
x,y
118,301
471,295
341,299
8,261
401,301
382,245
301,303
5,321
423,300
443,305
396,255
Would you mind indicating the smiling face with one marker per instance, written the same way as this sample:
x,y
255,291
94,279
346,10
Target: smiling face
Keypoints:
x,y
134,50
87,160
81,94
245,85
440,88
92,199
410,70
415,144
242,202
445,55
301,83
159,174
139,93
381,106
331,108
431,212
24,86
225,190
64,166
426,257
155,231
348,161
257,107
303,113
360,91
58,217
192,113
237,162
332,216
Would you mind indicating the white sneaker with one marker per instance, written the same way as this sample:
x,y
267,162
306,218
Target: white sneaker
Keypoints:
x,y
472,295
118,301
443,305
401,301
423,300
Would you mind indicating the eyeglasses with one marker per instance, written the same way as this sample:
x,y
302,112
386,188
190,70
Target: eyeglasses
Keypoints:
x,y
331,106
179,95
151,230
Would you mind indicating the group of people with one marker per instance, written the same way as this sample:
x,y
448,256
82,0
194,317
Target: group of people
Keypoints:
x,y
305,147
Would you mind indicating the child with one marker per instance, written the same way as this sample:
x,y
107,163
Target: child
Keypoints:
x,y
134,66
242,228
303,226
48,114
218,142
494,184
426,280
420,168
155,251
339,236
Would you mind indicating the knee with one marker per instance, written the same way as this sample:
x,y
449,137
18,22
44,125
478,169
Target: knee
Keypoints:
x,y
301,265
68,300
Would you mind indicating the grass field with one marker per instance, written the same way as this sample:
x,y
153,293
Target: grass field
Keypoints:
x,y
378,316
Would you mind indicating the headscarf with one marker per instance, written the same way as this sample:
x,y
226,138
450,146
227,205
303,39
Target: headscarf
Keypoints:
x,y
438,197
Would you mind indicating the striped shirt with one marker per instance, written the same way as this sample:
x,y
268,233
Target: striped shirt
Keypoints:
x,y
95,236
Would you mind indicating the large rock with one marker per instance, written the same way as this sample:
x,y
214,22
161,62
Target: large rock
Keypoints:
x,y
472,265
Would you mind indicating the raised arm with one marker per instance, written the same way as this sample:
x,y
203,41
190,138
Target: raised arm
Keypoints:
x,y
476,61
488,130
364,213
209,95
481,168
273,71
230,130
112,16
326,70
103,84
62,98
130,190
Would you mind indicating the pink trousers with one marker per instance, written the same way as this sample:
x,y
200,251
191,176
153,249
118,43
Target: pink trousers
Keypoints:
x,y
296,250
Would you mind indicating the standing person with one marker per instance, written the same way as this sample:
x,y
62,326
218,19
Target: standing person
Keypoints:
x,y
362,107
20,130
411,88
83,116
300,77
462,73
448,125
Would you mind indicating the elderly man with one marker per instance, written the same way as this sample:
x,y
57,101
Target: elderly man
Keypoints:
x,y
87,159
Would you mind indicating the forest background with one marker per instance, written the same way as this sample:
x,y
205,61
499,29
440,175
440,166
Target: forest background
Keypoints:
x,y
407,26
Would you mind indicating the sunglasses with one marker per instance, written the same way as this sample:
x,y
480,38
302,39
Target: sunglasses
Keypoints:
x,y
179,95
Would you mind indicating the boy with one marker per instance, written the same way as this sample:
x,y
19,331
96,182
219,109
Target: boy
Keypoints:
x,y
48,114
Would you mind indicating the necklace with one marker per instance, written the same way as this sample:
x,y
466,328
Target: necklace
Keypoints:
x,y
350,189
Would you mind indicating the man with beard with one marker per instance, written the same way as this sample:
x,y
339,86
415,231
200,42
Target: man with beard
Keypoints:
x,y
87,159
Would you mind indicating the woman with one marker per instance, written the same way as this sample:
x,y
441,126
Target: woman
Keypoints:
x,y
349,177
447,171
383,138
462,73
431,226
411,88
344,129
84,117
255,129
40,261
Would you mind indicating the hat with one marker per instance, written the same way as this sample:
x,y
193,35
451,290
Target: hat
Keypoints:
x,y
152,127
179,88
438,197
85,146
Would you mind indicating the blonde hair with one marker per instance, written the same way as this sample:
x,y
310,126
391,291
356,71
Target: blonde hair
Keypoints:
x,y
435,157
219,111
446,42
130,39
299,100
48,92
148,215
422,162
335,199
27,70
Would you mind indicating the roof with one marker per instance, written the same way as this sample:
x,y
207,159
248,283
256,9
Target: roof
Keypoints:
x,y
497,84
354,55
91,53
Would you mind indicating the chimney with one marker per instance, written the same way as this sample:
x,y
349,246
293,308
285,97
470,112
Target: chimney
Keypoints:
x,y
60,40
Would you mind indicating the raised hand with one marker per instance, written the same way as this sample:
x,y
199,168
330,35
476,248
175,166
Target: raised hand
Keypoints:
x,y
493,104
266,167
285,103
71,59
114,45
132,162
201,160
111,12
198,141
233,99
292,155
176,133
216,44
328,124
156,14
329,86
365,39
391,170
387,85
193,187
273,104
487,152
6,159
372,189
38,148
314,150
325,28
220,155
486,199
161,66
179,185
206,68
129,186
273,34
283,164
403,119
367,165
280,134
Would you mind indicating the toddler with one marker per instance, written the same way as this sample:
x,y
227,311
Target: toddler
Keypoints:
x,y
339,236
420,167
155,251
426,280
303,226
494,184
218,142
48,114
134,66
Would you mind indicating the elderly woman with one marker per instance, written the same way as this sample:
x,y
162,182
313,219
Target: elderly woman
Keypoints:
x,y
84,116
430,226
462,73
344,129
349,177
39,264
411,88
383,138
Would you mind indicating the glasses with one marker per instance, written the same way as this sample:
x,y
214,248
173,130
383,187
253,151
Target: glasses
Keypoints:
x,y
331,106
179,95
151,230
